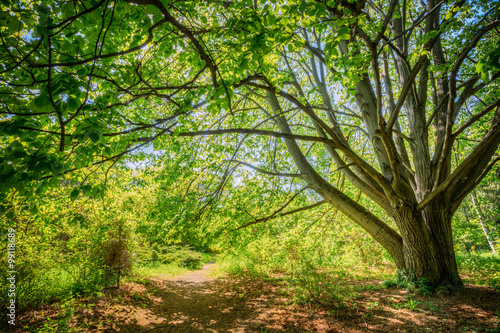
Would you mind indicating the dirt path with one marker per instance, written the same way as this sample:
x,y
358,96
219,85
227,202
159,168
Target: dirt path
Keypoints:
x,y
199,302
191,302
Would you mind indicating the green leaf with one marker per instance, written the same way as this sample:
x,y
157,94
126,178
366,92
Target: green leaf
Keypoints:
x,y
74,194
94,136
73,103
82,72
42,101
243,63
19,154
87,189
19,186
68,9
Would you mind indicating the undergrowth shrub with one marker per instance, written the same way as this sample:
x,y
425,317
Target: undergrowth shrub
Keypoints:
x,y
63,257
178,255
314,266
315,287
35,279
116,257
407,280
480,268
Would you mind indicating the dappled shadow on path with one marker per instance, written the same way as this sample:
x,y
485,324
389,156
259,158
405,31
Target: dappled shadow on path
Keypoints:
x,y
195,302
191,303
476,309
180,306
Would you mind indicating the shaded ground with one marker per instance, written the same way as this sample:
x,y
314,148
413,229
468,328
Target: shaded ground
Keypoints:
x,y
197,302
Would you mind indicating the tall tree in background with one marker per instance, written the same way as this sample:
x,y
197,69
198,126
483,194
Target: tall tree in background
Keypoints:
x,y
378,92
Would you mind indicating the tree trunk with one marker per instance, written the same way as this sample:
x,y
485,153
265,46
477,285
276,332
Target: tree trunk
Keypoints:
x,y
428,245
481,220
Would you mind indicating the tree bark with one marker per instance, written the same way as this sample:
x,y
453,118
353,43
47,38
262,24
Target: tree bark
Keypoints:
x,y
428,244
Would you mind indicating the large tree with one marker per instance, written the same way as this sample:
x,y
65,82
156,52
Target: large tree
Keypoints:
x,y
377,91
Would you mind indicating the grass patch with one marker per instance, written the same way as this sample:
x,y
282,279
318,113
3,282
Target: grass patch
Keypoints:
x,y
482,269
175,260
307,282
158,269
182,256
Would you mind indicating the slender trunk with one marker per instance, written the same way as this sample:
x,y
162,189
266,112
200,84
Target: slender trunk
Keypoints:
x,y
481,220
119,256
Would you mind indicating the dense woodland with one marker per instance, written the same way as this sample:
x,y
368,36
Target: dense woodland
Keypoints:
x,y
311,140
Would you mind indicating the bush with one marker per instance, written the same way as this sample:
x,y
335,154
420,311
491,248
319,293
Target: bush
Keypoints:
x,y
310,265
480,268
407,280
54,261
174,254
116,258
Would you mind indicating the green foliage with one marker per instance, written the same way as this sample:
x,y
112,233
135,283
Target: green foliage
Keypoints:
x,y
410,303
408,280
86,82
69,245
489,64
469,235
176,255
142,271
431,306
66,311
313,268
480,268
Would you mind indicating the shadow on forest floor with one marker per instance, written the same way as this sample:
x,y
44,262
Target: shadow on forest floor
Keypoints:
x,y
195,302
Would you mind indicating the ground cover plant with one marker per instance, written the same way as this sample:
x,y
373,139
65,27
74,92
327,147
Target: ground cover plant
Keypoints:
x,y
320,93
300,143
203,300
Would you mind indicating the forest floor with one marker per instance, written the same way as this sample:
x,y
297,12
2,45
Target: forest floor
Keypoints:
x,y
199,301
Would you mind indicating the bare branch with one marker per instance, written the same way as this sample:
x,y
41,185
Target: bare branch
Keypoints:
x,y
259,132
276,213
476,117
270,173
